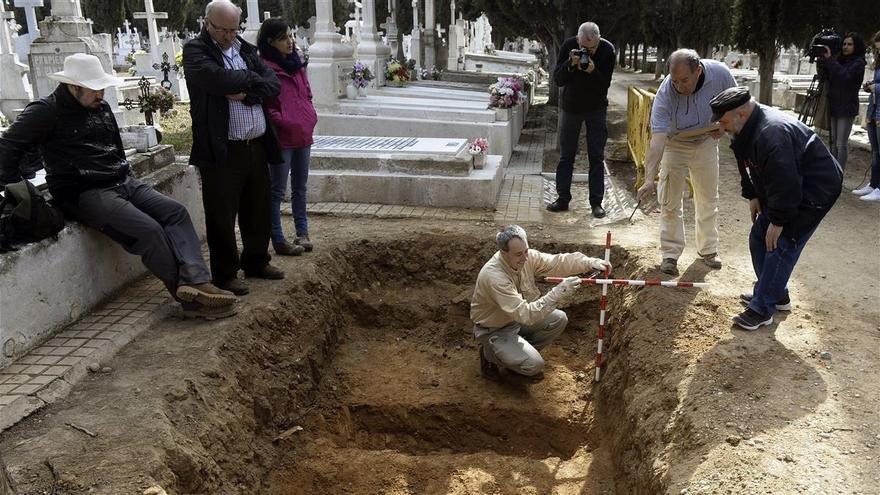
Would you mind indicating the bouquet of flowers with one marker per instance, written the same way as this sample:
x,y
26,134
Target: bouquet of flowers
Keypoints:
x,y
478,146
361,75
432,73
489,49
159,101
506,93
396,72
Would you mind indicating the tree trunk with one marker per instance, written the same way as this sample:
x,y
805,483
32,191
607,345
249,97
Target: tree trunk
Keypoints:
x,y
553,55
644,56
767,58
662,54
621,55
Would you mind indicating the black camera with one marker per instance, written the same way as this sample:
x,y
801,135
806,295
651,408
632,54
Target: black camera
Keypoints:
x,y
825,38
583,58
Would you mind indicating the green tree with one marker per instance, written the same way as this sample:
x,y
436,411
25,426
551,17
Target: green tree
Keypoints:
x,y
106,15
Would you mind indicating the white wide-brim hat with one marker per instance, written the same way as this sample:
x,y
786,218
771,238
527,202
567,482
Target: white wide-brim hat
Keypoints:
x,y
81,69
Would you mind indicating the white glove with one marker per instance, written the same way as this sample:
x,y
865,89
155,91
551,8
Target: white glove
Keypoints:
x,y
567,286
597,264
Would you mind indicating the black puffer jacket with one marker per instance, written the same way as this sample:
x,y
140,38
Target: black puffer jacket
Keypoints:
x,y
785,165
80,146
208,82
583,92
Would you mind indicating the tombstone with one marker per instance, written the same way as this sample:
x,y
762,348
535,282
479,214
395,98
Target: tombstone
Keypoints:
x,y
391,35
458,45
371,50
252,24
330,60
23,41
126,44
415,49
14,94
152,29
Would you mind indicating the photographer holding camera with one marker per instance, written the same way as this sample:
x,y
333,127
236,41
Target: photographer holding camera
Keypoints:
x,y
845,73
583,72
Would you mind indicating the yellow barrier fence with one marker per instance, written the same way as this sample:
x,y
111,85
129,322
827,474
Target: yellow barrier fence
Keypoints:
x,y
638,132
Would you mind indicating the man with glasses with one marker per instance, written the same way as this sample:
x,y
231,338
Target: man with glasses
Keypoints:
x,y
232,144
684,141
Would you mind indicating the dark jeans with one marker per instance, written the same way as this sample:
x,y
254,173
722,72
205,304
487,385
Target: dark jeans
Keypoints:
x,y
597,135
773,268
240,187
148,224
295,165
874,138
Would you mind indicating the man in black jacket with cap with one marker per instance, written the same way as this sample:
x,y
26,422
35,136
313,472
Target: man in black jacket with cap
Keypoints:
x,y
583,71
791,181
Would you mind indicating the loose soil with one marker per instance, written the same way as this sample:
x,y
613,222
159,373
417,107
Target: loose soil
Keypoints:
x,y
357,374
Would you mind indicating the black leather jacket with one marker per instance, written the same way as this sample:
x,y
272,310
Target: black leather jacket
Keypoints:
x,y
81,147
208,82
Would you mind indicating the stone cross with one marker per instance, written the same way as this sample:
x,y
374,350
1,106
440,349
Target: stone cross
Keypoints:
x,y
127,25
152,29
201,21
5,37
30,14
415,8
439,30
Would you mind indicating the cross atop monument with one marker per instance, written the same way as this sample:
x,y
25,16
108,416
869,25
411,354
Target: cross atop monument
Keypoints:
x,y
127,25
201,21
29,13
152,29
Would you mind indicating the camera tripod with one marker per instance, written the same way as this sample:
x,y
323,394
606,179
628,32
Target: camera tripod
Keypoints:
x,y
809,108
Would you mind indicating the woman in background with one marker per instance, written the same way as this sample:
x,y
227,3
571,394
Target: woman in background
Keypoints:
x,y
294,118
845,75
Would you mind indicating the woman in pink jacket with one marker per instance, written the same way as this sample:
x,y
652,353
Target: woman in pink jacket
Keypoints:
x,y
294,118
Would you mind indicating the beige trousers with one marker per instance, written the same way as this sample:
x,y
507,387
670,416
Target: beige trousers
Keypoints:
x,y
700,160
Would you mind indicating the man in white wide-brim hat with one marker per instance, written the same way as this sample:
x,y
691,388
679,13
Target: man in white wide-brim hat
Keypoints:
x,y
90,180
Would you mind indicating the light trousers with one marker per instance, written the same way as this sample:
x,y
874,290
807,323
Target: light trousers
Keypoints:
x,y
700,161
516,346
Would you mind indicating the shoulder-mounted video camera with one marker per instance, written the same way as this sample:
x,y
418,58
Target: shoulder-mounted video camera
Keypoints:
x,y
825,38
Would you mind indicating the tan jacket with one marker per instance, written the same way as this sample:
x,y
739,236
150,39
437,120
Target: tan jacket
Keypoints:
x,y
503,295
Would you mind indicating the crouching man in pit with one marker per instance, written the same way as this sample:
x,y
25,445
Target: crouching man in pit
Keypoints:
x,y
512,320
90,180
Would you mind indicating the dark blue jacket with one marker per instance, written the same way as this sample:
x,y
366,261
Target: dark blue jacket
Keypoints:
x,y
845,76
785,165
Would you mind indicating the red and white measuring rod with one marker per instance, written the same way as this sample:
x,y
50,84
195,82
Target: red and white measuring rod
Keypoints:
x,y
639,283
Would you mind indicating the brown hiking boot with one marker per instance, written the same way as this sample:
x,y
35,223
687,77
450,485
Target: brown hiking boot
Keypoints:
x,y
235,286
198,310
206,294
266,271
304,242
488,369
288,249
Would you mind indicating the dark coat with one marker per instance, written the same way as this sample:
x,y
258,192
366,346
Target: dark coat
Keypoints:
x,y
208,82
845,76
582,92
81,147
785,165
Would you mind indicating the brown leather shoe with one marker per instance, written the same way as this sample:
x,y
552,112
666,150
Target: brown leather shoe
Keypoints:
x,y
267,271
235,286
206,294
288,249
198,310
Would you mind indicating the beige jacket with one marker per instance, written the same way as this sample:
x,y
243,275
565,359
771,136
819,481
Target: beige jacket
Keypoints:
x,y
503,295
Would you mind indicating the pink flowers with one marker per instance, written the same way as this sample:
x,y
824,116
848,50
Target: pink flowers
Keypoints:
x,y
506,93
478,146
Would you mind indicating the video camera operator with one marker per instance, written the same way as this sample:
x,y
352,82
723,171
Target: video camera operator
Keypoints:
x,y
845,72
583,71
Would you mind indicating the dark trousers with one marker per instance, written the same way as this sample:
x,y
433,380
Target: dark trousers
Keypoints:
x,y
240,187
149,224
597,135
874,139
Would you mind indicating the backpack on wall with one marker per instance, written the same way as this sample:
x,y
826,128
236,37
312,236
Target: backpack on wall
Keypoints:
x,y
26,216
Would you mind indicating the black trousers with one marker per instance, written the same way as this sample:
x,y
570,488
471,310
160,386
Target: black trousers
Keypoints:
x,y
238,188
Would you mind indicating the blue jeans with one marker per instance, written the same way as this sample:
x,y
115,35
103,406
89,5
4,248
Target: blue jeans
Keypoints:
x,y
296,165
874,138
597,135
773,268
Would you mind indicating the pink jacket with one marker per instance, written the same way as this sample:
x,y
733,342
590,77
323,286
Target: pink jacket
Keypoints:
x,y
292,112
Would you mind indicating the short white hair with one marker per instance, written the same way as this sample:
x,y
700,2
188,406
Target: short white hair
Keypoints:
x,y
503,238
684,56
588,30
221,5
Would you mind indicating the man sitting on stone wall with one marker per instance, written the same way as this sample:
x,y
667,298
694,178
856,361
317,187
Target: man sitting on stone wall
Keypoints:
x,y
90,180
512,320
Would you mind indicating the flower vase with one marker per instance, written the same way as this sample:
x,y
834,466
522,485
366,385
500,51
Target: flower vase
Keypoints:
x,y
479,160
362,92
351,92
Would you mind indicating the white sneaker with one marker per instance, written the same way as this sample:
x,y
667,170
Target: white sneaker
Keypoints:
x,y
873,196
863,191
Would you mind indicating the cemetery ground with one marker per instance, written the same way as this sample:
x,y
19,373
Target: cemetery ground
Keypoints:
x,y
357,374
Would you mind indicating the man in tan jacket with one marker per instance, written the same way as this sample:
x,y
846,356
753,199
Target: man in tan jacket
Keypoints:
x,y
512,320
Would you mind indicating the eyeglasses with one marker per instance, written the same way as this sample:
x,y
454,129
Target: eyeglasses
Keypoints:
x,y
225,31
